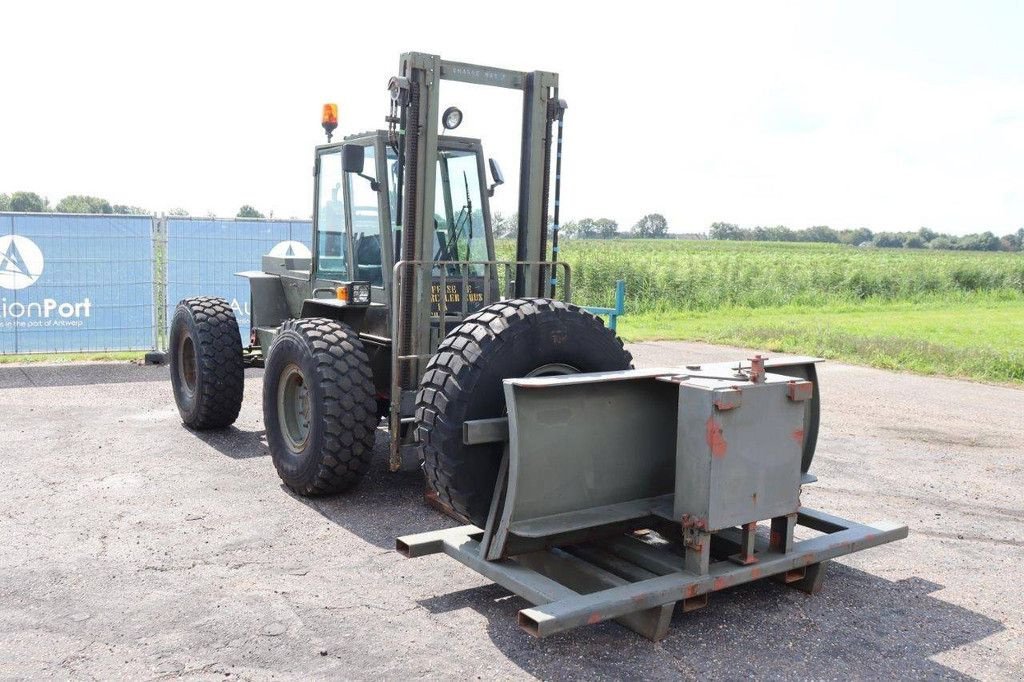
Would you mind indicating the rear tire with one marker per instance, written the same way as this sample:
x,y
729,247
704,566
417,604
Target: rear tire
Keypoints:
x,y
319,406
463,382
207,370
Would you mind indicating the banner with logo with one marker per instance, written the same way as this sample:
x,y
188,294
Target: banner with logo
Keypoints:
x,y
73,283
204,255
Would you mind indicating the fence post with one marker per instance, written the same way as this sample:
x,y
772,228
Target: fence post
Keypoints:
x,y
159,283
620,302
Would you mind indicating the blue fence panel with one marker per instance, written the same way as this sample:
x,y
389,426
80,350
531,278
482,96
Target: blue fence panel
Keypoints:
x,y
203,256
73,283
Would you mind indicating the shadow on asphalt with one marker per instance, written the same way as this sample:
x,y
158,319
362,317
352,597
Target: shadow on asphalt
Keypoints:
x,y
859,626
235,443
65,374
29,375
383,506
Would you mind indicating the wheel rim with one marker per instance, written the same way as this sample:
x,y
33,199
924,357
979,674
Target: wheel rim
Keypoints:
x,y
294,408
553,369
187,364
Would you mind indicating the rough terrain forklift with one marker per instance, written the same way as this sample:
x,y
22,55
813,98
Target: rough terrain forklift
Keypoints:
x,y
403,310
592,490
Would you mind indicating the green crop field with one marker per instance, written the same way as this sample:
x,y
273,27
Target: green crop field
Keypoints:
x,y
935,312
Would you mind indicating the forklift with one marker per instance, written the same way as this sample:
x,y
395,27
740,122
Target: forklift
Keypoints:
x,y
592,490
402,311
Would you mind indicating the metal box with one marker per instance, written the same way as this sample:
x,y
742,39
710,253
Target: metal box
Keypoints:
x,y
738,450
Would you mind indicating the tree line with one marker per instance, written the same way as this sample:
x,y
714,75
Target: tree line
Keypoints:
x,y
651,226
30,202
923,238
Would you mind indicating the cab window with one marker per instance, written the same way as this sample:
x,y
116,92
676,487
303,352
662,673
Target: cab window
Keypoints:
x,y
460,234
332,256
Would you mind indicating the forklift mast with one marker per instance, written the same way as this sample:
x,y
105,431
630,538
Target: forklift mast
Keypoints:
x,y
414,123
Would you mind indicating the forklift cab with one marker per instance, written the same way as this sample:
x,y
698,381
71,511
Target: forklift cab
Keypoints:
x,y
355,237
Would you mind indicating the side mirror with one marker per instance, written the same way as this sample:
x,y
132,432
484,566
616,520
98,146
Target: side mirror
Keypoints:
x,y
496,175
353,158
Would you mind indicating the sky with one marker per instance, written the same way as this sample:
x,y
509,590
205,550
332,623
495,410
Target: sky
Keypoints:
x,y
887,115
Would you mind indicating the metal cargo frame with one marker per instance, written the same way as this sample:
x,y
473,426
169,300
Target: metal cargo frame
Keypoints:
x,y
599,509
637,579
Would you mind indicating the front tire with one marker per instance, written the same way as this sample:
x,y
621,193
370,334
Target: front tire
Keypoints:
x,y
319,406
463,381
207,369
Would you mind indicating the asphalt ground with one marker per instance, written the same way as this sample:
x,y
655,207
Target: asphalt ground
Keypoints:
x,y
132,547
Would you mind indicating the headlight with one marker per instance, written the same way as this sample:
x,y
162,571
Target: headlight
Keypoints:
x,y
451,118
360,293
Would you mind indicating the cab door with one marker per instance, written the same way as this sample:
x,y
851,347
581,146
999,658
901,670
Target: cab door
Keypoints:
x,y
369,218
332,254
351,219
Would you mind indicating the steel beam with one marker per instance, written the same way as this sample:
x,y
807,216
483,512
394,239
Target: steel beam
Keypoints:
x,y
594,583
566,614
574,569
537,91
539,577
479,431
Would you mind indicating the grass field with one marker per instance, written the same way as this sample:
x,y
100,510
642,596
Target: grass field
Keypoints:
x,y
88,356
935,312
953,313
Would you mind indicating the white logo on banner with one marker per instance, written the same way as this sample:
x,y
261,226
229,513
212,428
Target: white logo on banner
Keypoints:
x,y
21,262
290,249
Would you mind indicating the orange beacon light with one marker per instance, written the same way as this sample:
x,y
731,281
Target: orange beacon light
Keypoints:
x,y
330,119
